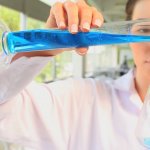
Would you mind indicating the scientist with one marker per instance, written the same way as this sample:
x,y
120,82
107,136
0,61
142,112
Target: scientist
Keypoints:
x,y
74,114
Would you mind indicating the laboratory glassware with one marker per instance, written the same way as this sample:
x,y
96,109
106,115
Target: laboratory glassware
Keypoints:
x,y
49,39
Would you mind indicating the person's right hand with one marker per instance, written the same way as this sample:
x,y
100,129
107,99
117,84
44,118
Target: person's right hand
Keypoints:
x,y
74,17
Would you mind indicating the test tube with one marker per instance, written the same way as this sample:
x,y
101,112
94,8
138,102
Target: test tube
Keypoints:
x,y
50,39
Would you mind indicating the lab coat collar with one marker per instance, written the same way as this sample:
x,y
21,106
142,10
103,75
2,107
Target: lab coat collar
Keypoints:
x,y
126,84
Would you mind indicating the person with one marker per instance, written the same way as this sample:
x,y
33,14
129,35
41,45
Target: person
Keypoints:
x,y
74,114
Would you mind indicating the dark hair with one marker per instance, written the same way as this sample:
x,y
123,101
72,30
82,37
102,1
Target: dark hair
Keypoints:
x,y
129,8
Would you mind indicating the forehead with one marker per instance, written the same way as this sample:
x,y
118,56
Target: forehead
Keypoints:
x,y
141,9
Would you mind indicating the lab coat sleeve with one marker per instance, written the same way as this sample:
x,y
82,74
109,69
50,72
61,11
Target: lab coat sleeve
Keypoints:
x,y
17,75
44,115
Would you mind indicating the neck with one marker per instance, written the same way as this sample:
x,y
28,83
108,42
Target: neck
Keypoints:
x,y
142,82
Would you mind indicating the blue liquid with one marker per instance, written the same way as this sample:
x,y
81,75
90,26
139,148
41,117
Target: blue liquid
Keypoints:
x,y
40,39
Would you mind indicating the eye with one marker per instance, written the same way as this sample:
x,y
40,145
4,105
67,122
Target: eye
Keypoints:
x,y
141,29
144,31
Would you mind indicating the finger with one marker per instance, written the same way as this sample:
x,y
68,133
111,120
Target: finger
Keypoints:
x,y
51,21
82,51
97,18
72,15
57,16
85,15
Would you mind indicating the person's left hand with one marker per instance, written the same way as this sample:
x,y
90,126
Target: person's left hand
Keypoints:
x,y
65,16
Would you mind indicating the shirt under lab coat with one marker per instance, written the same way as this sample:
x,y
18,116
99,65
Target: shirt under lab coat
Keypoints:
x,y
74,114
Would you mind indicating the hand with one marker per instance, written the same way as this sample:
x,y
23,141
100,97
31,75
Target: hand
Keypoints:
x,y
74,17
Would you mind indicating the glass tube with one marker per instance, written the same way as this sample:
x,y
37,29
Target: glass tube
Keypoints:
x,y
50,39
4,59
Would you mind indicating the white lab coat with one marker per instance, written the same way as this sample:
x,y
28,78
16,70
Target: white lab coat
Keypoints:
x,y
75,114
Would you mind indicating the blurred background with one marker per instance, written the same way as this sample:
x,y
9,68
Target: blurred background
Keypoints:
x,y
101,61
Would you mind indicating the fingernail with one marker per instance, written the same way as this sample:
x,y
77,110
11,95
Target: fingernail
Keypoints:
x,y
74,28
81,53
98,22
62,24
86,25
